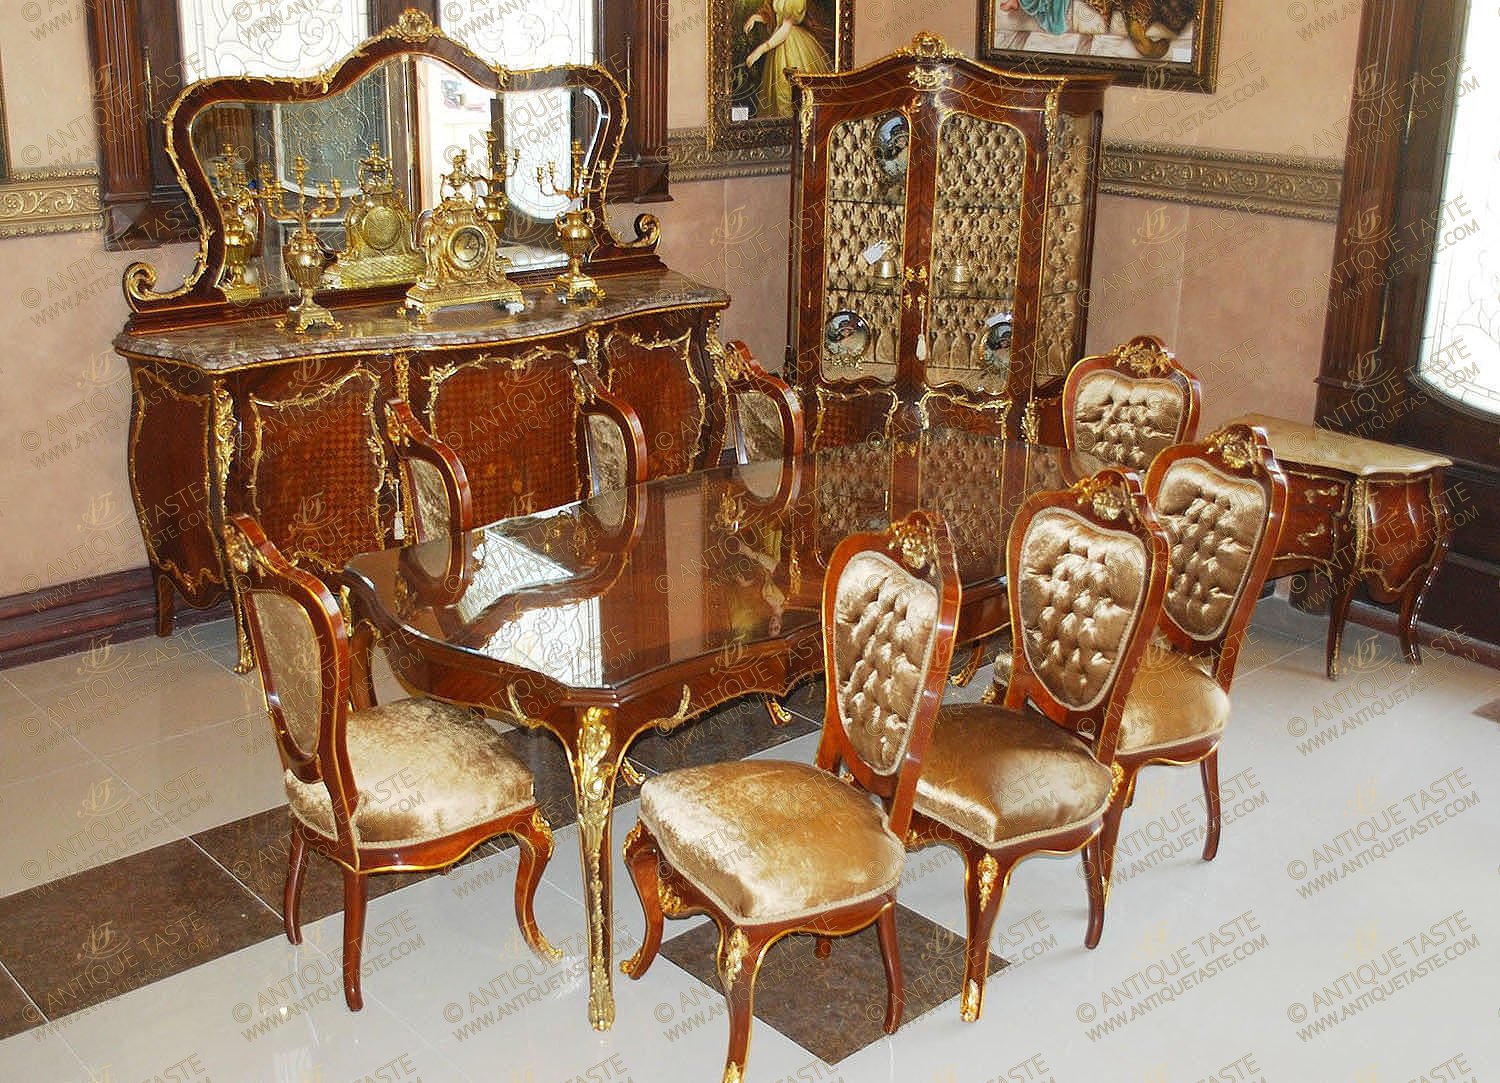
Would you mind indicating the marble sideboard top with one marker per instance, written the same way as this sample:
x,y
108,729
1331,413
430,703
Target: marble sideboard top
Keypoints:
x,y
377,328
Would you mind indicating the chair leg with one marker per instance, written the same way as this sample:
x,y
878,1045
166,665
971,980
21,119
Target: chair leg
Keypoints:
x,y
1093,874
985,878
1104,865
962,678
535,836
890,955
1209,767
354,936
780,716
291,898
739,962
644,862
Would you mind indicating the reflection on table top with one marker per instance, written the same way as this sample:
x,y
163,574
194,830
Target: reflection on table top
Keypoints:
x,y
596,594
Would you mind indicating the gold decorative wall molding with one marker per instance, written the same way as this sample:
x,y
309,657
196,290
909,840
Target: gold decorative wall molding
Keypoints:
x,y
1237,180
693,161
40,201
1275,184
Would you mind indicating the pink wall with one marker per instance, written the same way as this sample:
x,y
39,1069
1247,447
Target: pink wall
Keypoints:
x,y
1236,295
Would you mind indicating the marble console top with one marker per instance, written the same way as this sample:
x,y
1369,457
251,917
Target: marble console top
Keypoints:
x,y
377,328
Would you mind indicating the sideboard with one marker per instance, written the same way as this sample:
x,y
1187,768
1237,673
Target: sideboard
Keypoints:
x,y
243,417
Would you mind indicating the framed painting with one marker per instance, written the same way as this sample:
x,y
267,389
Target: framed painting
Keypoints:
x,y
1160,44
751,45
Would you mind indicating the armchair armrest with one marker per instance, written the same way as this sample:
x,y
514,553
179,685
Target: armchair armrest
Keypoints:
x,y
611,439
767,413
437,499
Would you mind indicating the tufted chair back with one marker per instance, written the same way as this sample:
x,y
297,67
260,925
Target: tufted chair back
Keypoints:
x,y
1221,503
1126,406
890,605
1087,571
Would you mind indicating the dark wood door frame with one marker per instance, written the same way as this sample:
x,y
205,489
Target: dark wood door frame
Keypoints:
x,y
1406,81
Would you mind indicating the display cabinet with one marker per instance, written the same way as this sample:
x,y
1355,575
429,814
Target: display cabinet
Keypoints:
x,y
943,216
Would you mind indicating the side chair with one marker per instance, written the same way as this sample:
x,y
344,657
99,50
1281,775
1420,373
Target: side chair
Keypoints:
x,y
1221,502
769,848
463,783
1087,572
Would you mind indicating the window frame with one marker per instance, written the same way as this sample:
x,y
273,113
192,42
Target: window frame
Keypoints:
x,y
138,64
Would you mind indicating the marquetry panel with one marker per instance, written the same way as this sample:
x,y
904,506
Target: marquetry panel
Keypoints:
x,y
315,468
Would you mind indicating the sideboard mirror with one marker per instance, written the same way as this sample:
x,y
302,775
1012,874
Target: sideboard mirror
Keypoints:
x,y
364,150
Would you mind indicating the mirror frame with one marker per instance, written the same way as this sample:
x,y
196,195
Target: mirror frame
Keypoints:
x,y
137,59
200,299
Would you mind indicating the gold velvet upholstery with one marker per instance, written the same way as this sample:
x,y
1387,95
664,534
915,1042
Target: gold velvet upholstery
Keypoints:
x,y
291,666
1080,591
1215,522
1172,699
1002,776
424,769
429,501
883,642
760,426
771,841
1313,446
1126,420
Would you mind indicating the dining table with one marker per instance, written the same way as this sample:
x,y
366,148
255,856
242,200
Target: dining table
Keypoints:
x,y
648,606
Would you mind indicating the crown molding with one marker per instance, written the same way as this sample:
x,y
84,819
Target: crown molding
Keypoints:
x,y
41,201
692,160
1274,184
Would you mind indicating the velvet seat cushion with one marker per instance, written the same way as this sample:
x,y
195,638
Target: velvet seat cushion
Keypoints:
x,y
1171,700
1002,776
771,841
424,769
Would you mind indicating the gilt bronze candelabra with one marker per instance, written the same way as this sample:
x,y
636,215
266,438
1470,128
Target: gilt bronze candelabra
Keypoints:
x,y
575,229
303,254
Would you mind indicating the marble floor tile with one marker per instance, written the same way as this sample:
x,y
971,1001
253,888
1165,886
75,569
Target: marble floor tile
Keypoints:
x,y
835,1007
33,743
143,919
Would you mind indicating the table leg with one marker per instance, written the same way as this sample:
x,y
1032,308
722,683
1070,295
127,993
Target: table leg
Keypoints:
x,y
1338,611
1416,590
596,761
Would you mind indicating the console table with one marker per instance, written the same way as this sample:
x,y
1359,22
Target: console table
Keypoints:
x,y
244,417
1359,511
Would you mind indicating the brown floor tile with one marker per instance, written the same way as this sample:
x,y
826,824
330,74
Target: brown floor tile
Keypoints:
x,y
254,849
834,1007
16,1012
731,733
87,938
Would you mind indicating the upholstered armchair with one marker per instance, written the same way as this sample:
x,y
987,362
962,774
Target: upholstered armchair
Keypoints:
x,y
1221,503
768,848
1087,571
1125,406
456,783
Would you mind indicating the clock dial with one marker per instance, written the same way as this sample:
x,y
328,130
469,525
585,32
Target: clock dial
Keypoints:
x,y
467,247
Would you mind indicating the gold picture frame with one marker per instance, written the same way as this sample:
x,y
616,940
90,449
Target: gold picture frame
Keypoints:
x,y
1107,37
750,44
